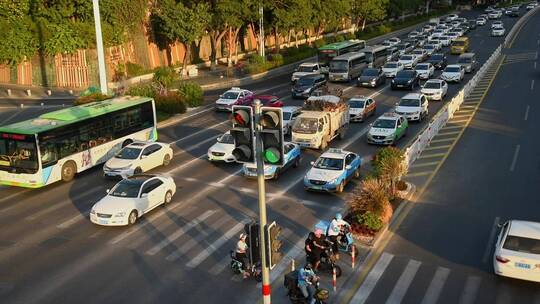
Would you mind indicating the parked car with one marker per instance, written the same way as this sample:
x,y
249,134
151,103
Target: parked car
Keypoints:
x,y
332,171
390,69
453,73
138,157
222,150
234,96
131,198
406,79
304,69
305,85
361,107
289,116
425,70
435,89
517,250
438,60
387,129
291,157
372,77
413,106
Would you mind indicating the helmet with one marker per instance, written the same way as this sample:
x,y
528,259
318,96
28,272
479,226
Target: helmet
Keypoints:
x,y
318,232
308,266
339,216
242,236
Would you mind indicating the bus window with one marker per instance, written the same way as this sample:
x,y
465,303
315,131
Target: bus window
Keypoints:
x,y
18,152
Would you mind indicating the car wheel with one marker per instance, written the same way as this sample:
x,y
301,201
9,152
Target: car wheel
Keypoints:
x,y
132,218
68,171
137,170
168,198
166,160
357,173
340,187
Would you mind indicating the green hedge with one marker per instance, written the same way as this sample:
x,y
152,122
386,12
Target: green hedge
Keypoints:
x,y
192,93
146,90
90,98
172,103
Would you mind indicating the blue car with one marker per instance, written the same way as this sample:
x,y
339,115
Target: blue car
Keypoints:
x,y
292,159
332,171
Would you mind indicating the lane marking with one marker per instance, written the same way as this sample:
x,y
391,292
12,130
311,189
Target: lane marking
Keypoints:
x,y
9,197
371,280
532,84
175,121
423,173
433,155
59,205
437,147
191,148
491,238
79,217
17,112
206,129
526,113
419,165
514,159
436,286
471,289
177,234
404,282
206,252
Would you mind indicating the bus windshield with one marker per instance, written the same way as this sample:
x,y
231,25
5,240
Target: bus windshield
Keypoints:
x,y
339,66
18,153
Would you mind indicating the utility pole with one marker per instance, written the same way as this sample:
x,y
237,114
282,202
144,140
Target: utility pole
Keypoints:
x,y
99,46
261,30
262,203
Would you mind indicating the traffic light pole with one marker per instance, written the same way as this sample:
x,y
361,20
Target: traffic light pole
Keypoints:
x,y
262,204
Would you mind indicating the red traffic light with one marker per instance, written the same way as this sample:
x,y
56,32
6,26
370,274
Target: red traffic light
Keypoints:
x,y
241,117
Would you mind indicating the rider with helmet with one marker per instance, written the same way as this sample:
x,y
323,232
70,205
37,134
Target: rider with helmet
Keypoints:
x,y
335,230
241,252
306,279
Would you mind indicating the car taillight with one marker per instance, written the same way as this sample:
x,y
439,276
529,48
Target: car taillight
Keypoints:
x,y
501,259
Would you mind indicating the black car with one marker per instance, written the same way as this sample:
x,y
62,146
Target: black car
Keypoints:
x,y
372,77
305,85
438,60
406,79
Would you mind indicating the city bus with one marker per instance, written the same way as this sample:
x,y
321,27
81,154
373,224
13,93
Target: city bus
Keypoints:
x,y
57,145
327,52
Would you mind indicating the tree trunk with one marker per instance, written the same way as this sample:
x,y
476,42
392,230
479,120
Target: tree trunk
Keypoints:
x,y
235,40
363,24
230,48
277,43
187,57
215,38
296,38
289,38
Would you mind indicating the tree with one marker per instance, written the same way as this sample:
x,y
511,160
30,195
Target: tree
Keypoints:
x,y
373,197
389,165
182,23
231,12
368,11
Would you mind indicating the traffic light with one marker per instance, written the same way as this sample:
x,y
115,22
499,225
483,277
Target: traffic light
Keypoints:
x,y
252,231
242,132
273,244
271,122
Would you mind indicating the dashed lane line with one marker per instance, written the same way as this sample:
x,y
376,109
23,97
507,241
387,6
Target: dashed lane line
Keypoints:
x,y
526,113
515,158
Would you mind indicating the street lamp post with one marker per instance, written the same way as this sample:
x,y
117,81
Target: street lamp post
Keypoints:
x,y
99,46
261,30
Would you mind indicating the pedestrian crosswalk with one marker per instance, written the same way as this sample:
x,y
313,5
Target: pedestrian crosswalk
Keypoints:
x,y
400,279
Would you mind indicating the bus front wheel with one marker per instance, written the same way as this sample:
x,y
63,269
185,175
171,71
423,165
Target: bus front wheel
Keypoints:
x,y
68,171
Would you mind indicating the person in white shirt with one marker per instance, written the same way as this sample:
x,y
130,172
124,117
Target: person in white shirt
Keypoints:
x,y
241,252
335,231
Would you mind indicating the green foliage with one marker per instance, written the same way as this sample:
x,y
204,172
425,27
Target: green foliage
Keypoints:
x,y
133,69
320,42
165,76
383,156
276,59
146,90
18,42
350,36
339,38
370,220
90,98
192,93
172,103
384,29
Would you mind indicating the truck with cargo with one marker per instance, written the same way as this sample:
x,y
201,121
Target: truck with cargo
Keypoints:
x,y
323,118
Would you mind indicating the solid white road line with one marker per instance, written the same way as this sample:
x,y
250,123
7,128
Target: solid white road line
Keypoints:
x,y
178,233
206,252
75,219
9,197
489,245
532,84
206,129
526,113
220,266
471,289
175,121
514,159
436,286
371,280
198,239
403,282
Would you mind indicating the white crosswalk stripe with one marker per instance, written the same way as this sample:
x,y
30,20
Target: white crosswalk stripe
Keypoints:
x,y
471,289
403,282
373,277
436,286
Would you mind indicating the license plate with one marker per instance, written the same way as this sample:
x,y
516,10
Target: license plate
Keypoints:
x,y
400,85
365,83
522,265
103,222
317,187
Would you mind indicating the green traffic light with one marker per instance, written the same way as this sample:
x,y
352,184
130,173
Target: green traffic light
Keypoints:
x,y
271,155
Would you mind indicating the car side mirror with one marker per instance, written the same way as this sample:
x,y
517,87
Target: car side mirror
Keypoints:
x,y
144,156
144,195
221,96
312,163
348,167
107,191
218,138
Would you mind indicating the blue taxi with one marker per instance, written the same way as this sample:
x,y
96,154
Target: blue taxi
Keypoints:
x,y
292,159
332,171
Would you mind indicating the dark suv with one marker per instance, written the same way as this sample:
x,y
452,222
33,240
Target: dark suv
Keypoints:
x,y
438,60
406,79
305,85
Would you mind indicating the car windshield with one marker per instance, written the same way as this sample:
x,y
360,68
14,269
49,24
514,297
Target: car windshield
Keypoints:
x,y
422,67
418,52
126,188
230,95
305,69
18,152
405,74
128,153
452,69
432,85
385,123
370,72
226,139
391,65
522,244
287,115
328,163
356,103
406,57
305,125
339,66
406,102
305,81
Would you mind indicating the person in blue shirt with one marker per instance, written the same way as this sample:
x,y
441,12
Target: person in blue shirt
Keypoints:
x,y
306,279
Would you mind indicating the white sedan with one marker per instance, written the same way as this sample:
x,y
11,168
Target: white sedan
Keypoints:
x,y
498,31
222,150
390,69
481,21
453,72
408,60
517,251
131,198
497,23
435,89
425,70
138,157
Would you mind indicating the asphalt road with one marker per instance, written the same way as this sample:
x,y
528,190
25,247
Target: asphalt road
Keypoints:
x,y
51,253
443,251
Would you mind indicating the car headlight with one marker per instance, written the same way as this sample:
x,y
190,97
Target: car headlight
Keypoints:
x,y
92,211
373,81
314,140
120,214
333,181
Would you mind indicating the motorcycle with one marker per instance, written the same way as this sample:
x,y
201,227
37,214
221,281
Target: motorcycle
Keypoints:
x,y
346,241
254,271
295,295
328,261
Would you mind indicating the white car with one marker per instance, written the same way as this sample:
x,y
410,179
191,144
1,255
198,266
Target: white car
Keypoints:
x,y
420,54
390,69
408,60
517,251
494,15
289,116
453,72
304,69
387,129
413,106
131,198
498,31
332,171
430,48
452,17
136,158
394,40
435,89
222,150
530,6
361,107
232,97
445,40
496,23
481,21
425,70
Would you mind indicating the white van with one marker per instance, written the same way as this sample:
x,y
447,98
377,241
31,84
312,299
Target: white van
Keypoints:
x,y
347,66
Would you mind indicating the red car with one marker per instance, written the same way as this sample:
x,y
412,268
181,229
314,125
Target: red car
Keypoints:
x,y
270,101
